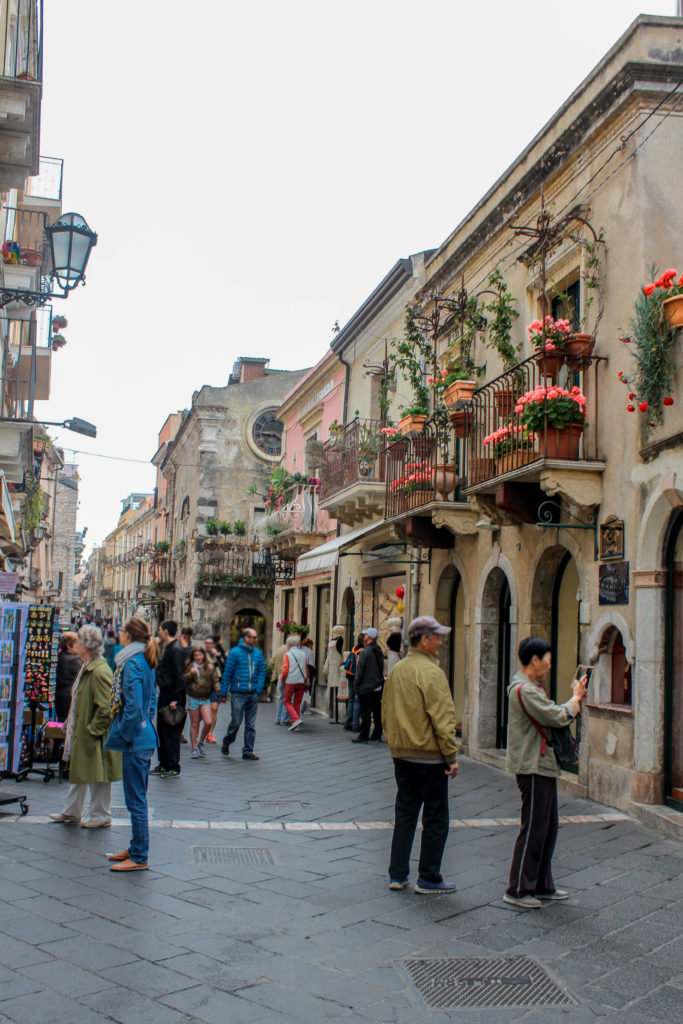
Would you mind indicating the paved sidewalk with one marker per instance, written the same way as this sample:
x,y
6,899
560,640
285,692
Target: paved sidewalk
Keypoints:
x,y
268,902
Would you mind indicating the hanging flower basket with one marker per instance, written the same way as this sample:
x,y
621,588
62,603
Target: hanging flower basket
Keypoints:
x,y
549,360
459,391
673,310
412,424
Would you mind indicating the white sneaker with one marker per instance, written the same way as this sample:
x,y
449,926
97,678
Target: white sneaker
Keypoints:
x,y
66,819
295,725
525,902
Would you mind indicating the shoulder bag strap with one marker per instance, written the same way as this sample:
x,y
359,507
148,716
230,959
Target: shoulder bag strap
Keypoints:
x,y
544,738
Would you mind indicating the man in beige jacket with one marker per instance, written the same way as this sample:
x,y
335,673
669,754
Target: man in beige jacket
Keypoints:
x,y
531,757
419,721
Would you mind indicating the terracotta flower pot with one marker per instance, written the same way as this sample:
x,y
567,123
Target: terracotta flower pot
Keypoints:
x,y
412,424
673,310
549,363
32,257
445,480
459,391
579,344
505,401
462,421
561,444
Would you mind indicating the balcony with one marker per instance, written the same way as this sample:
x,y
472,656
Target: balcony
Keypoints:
x,y
24,260
229,566
353,472
28,367
162,573
21,38
506,461
296,527
424,499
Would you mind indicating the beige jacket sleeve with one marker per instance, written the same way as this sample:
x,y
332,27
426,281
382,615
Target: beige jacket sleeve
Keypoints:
x,y
441,711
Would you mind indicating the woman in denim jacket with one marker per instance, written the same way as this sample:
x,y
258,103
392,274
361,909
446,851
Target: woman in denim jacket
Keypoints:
x,y
134,704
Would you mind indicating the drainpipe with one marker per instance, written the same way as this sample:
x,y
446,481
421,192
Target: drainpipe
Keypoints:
x,y
335,587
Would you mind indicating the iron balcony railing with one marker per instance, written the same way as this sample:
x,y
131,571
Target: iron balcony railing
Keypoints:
x,y
299,515
499,442
21,28
162,571
25,379
240,565
23,241
417,472
352,455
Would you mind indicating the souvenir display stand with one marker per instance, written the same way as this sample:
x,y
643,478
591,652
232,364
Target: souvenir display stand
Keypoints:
x,y
13,620
39,671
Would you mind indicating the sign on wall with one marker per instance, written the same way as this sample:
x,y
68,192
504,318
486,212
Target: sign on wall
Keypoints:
x,y
613,583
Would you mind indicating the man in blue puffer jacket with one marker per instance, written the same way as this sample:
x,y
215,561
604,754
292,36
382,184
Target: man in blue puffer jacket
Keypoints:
x,y
244,677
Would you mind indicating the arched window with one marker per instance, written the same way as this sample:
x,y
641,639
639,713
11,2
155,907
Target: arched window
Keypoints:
x,y
614,669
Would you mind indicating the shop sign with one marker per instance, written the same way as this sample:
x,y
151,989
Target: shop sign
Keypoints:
x,y
613,583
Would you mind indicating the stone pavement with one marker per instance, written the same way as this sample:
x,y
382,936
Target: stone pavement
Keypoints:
x,y
267,901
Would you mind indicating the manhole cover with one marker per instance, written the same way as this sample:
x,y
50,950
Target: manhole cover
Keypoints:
x,y
276,806
507,981
232,855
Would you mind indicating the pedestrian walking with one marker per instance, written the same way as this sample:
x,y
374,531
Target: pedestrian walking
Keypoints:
x,y
419,719
243,678
91,767
368,686
281,716
170,679
132,732
532,713
352,721
203,688
216,655
68,667
111,646
294,679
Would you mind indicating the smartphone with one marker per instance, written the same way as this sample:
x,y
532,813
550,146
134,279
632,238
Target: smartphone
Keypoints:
x,y
583,670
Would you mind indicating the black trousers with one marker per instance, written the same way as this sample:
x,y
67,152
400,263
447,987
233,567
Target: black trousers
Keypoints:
x,y
370,705
531,870
169,744
420,786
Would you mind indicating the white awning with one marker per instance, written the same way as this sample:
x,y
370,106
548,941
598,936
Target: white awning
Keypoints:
x,y
327,555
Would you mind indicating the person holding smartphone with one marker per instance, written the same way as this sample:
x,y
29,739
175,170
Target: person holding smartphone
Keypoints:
x,y
530,756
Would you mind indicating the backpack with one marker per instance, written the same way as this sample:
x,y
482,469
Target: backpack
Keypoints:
x,y
351,662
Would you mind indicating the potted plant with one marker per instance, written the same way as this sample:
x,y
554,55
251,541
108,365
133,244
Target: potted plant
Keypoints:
x,y
59,322
556,416
224,528
511,446
672,305
239,528
336,432
414,481
58,341
413,351
161,547
211,526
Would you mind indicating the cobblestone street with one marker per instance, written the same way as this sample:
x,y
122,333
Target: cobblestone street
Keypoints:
x,y
267,901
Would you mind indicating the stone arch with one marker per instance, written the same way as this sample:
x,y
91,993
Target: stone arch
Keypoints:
x,y
656,521
482,714
610,619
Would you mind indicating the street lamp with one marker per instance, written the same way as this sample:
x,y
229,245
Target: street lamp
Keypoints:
x,y
71,241
77,425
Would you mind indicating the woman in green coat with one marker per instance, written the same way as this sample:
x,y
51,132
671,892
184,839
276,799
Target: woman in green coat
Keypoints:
x,y
90,765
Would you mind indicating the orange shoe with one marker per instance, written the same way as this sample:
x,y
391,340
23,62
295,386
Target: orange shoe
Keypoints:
x,y
210,738
118,856
129,865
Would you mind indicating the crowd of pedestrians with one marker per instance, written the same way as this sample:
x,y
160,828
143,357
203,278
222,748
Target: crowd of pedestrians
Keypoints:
x,y
111,688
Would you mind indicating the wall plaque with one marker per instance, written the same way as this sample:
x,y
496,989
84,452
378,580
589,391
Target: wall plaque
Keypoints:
x,y
612,539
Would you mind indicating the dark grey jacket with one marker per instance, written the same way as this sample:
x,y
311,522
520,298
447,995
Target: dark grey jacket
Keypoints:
x,y
369,669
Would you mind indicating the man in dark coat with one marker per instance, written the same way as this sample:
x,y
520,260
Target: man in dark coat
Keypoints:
x,y
171,683
369,682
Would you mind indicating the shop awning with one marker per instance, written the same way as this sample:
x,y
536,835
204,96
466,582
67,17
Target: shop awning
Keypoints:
x,y
327,555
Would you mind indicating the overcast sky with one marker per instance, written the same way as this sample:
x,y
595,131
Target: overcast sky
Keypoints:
x,y
253,169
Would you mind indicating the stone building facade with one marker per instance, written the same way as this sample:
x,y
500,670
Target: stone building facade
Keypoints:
x,y
486,553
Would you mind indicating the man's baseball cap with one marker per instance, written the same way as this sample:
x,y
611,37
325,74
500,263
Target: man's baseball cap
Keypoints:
x,y
371,632
426,624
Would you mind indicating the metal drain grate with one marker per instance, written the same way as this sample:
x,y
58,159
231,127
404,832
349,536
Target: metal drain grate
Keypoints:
x,y
276,806
507,981
232,855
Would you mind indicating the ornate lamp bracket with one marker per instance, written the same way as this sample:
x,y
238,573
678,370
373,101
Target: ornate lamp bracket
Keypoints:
x,y
548,515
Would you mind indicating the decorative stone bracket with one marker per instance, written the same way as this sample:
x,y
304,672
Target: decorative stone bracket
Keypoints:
x,y
580,487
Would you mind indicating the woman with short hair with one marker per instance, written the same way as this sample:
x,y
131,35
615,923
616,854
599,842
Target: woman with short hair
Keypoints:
x,y
133,704
68,667
91,767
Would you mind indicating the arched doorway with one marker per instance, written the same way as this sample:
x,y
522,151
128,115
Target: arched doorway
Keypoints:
x,y
248,618
673,667
450,609
349,618
495,660
555,617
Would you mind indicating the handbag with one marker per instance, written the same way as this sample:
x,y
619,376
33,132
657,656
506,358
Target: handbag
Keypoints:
x,y
560,739
173,716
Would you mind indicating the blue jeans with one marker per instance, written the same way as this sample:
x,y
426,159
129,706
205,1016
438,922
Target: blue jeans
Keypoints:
x,y
280,714
242,706
135,777
352,720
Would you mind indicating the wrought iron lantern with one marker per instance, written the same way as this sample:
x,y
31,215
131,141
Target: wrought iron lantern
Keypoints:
x,y
71,241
